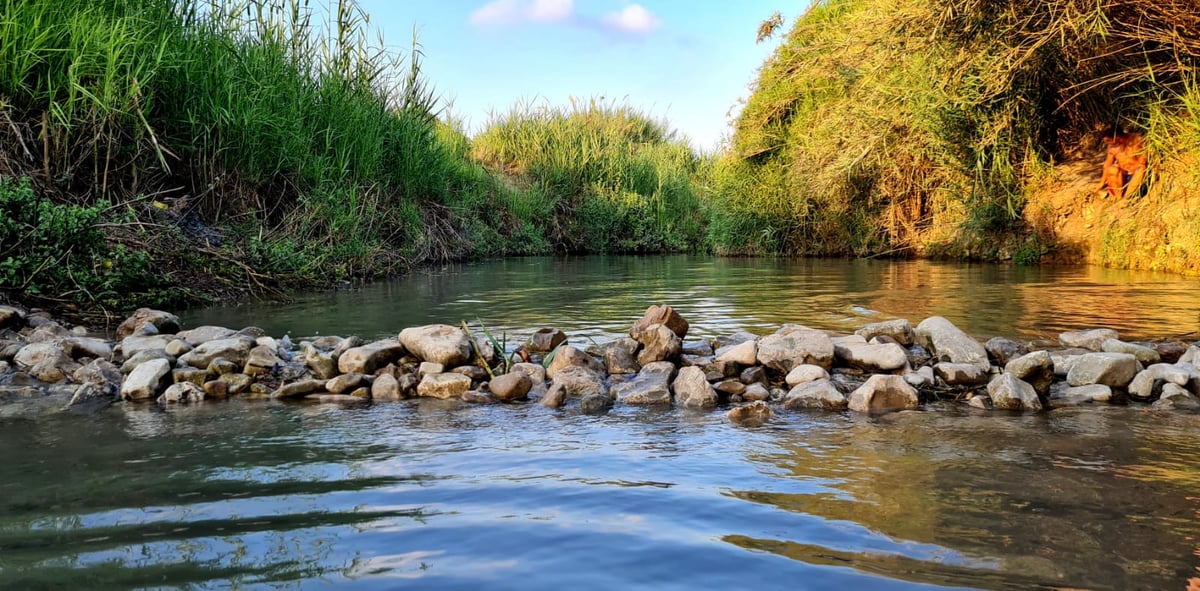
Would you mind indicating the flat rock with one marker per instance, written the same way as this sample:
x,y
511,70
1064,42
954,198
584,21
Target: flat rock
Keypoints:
x,y
1111,369
742,354
203,334
299,388
883,393
1079,395
1010,393
234,349
819,393
439,343
871,358
372,356
651,385
793,346
898,330
443,386
961,374
1092,340
949,343
163,322
147,380
133,345
1145,355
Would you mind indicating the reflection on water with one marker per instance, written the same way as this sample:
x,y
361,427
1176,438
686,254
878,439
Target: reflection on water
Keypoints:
x,y
601,296
434,494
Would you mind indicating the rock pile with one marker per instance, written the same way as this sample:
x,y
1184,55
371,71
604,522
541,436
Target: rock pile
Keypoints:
x,y
883,367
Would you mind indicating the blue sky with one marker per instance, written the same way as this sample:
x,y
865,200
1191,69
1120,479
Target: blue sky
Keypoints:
x,y
686,61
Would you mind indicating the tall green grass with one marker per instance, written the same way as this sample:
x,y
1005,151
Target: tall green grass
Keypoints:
x,y
609,178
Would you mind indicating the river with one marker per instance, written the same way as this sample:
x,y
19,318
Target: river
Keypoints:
x,y
434,494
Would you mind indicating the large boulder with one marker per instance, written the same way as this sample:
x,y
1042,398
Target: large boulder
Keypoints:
x,y
664,315
949,343
568,356
898,330
819,393
372,356
444,386
147,380
872,358
1111,369
651,385
693,390
659,343
439,343
795,345
234,349
1010,393
883,393
163,322
1036,369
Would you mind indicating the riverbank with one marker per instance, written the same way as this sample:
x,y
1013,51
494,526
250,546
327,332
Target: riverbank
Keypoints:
x,y
883,367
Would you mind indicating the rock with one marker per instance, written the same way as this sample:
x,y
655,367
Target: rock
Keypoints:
x,y
482,346
1111,369
620,356
1147,384
164,322
922,378
980,402
77,347
751,415
147,380
1036,369
1001,350
1092,340
756,392
33,354
11,317
336,399
260,361
728,388
322,364
1145,355
580,382
51,332
443,386
511,386
848,340
872,358
568,356
331,343
235,350
697,348
429,367
738,337
299,389
555,397
342,345
802,374
9,349
948,343
793,346
178,347
238,382
133,345
595,403
101,373
386,387
90,398
439,343
692,390
1174,397
476,373
659,343
190,374
536,373
899,330
203,334
346,383
544,340
477,397
372,356
742,354
664,315
753,375
182,393
1075,396
651,385
1169,352
143,356
882,393
961,374
819,393
220,367
1064,360
216,389
1010,393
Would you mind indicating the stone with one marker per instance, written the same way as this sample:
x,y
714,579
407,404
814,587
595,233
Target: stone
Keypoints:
x,y
949,343
728,388
238,382
133,345
443,386
545,340
33,354
659,343
51,332
742,354
1092,340
335,399
1147,384
203,334
77,347
620,356
439,343
429,367
883,393
1145,355
90,398
579,382
483,349
191,375
1111,369
299,389
819,393
346,383
477,397
101,373
164,322
555,397
1169,352
141,357
899,330
753,375
372,356
1174,397
1036,369
182,393
322,364
343,345
11,317
692,390
756,392
751,415
697,348
178,347
664,315
1001,350
386,387
568,356
595,403
536,373
147,380
871,358
476,373
362,393
1062,395
235,350
220,367
216,389
961,374
261,361
922,378
795,345
1010,393
511,386
805,373
1065,359
651,385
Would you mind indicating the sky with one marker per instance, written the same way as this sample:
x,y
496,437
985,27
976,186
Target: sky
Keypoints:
x,y
686,61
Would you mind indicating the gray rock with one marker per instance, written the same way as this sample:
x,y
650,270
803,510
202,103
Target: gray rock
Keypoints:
x,y
1148,383
220,367
1145,355
1169,352
961,374
133,345
751,415
182,393
883,393
802,374
103,374
203,334
386,388
372,356
261,361
819,393
51,332
439,343
568,356
335,398
595,403
511,386
1066,396
742,354
1036,369
429,367
620,356
664,315
178,347
753,375
1002,350
11,317
692,390
651,385
1092,340
346,383
921,378
756,392
1064,360
536,373
1111,369
33,354
1010,393
235,349
795,345
738,337
1174,397
580,382
872,358
77,347
443,386
91,398
948,343
544,340
299,389
147,380
321,364
899,330
164,322
697,348
141,357
476,373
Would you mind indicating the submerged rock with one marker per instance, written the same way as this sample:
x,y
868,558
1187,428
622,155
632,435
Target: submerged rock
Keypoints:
x,y
751,415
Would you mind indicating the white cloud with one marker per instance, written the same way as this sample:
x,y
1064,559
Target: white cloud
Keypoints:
x,y
551,11
497,12
633,19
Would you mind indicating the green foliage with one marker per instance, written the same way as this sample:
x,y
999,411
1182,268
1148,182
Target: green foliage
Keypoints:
x,y
56,250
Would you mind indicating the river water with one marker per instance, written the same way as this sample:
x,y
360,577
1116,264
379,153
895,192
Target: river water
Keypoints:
x,y
434,494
